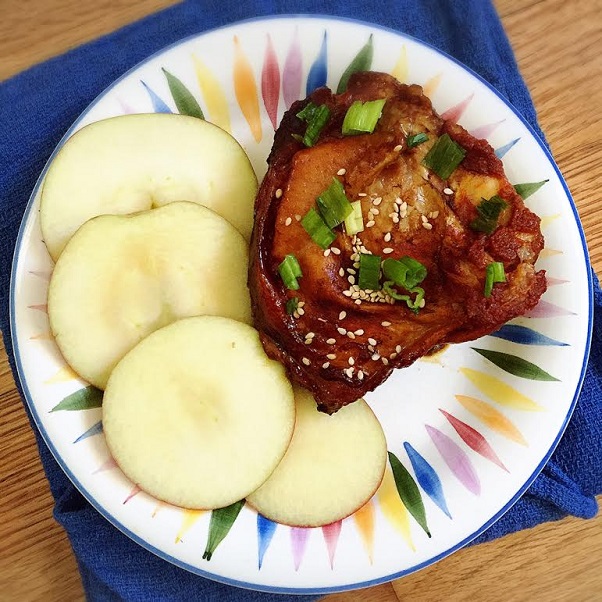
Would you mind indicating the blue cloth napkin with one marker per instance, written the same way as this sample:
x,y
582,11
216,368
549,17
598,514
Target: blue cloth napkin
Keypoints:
x,y
39,105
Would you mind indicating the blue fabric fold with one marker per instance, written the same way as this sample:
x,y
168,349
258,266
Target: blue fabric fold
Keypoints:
x,y
39,105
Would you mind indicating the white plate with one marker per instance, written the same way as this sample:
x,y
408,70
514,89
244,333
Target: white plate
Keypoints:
x,y
471,435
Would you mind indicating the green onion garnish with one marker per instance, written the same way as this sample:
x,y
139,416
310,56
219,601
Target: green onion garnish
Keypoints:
x,y
314,225
415,304
494,273
316,118
416,139
291,305
354,222
289,271
405,272
333,205
369,272
362,117
488,213
443,158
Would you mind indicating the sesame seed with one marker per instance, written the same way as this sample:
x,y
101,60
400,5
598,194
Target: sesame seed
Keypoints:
x,y
370,223
331,341
360,375
398,349
422,303
297,217
300,310
326,252
424,219
359,332
398,201
387,250
308,341
351,361
296,314
377,201
372,341
375,211
342,315
362,194
310,335
301,304
448,191
351,279
427,226
397,148
278,193
358,301
395,219
385,323
347,293
305,361
355,295
341,272
350,334
387,237
435,214
351,271
349,371
342,330
356,264
375,357
393,356
335,250
384,360
325,365
341,172
288,221
331,356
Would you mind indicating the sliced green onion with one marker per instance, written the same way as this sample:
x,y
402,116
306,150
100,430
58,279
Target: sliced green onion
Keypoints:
x,y
333,205
494,273
416,139
414,304
489,211
444,156
405,272
362,117
314,225
354,222
289,271
291,305
316,118
369,274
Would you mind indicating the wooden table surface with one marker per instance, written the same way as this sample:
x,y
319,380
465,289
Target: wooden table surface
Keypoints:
x,y
558,44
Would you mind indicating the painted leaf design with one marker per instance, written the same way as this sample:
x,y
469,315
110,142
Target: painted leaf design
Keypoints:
x,y
331,535
527,189
454,113
475,440
427,478
456,459
220,524
545,309
270,82
409,492
500,391
401,68
189,518
524,336
245,90
318,72
494,419
185,101
95,429
216,102
503,150
292,72
159,105
133,493
361,62
364,520
393,508
85,399
432,84
299,536
265,531
515,365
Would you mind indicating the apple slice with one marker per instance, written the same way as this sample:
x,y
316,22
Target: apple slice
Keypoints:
x,y
136,162
122,277
332,467
197,415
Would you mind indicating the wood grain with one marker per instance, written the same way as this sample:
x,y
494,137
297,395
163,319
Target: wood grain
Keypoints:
x,y
558,46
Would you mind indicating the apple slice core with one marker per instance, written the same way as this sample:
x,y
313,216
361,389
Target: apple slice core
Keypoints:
x,y
136,162
333,466
197,414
